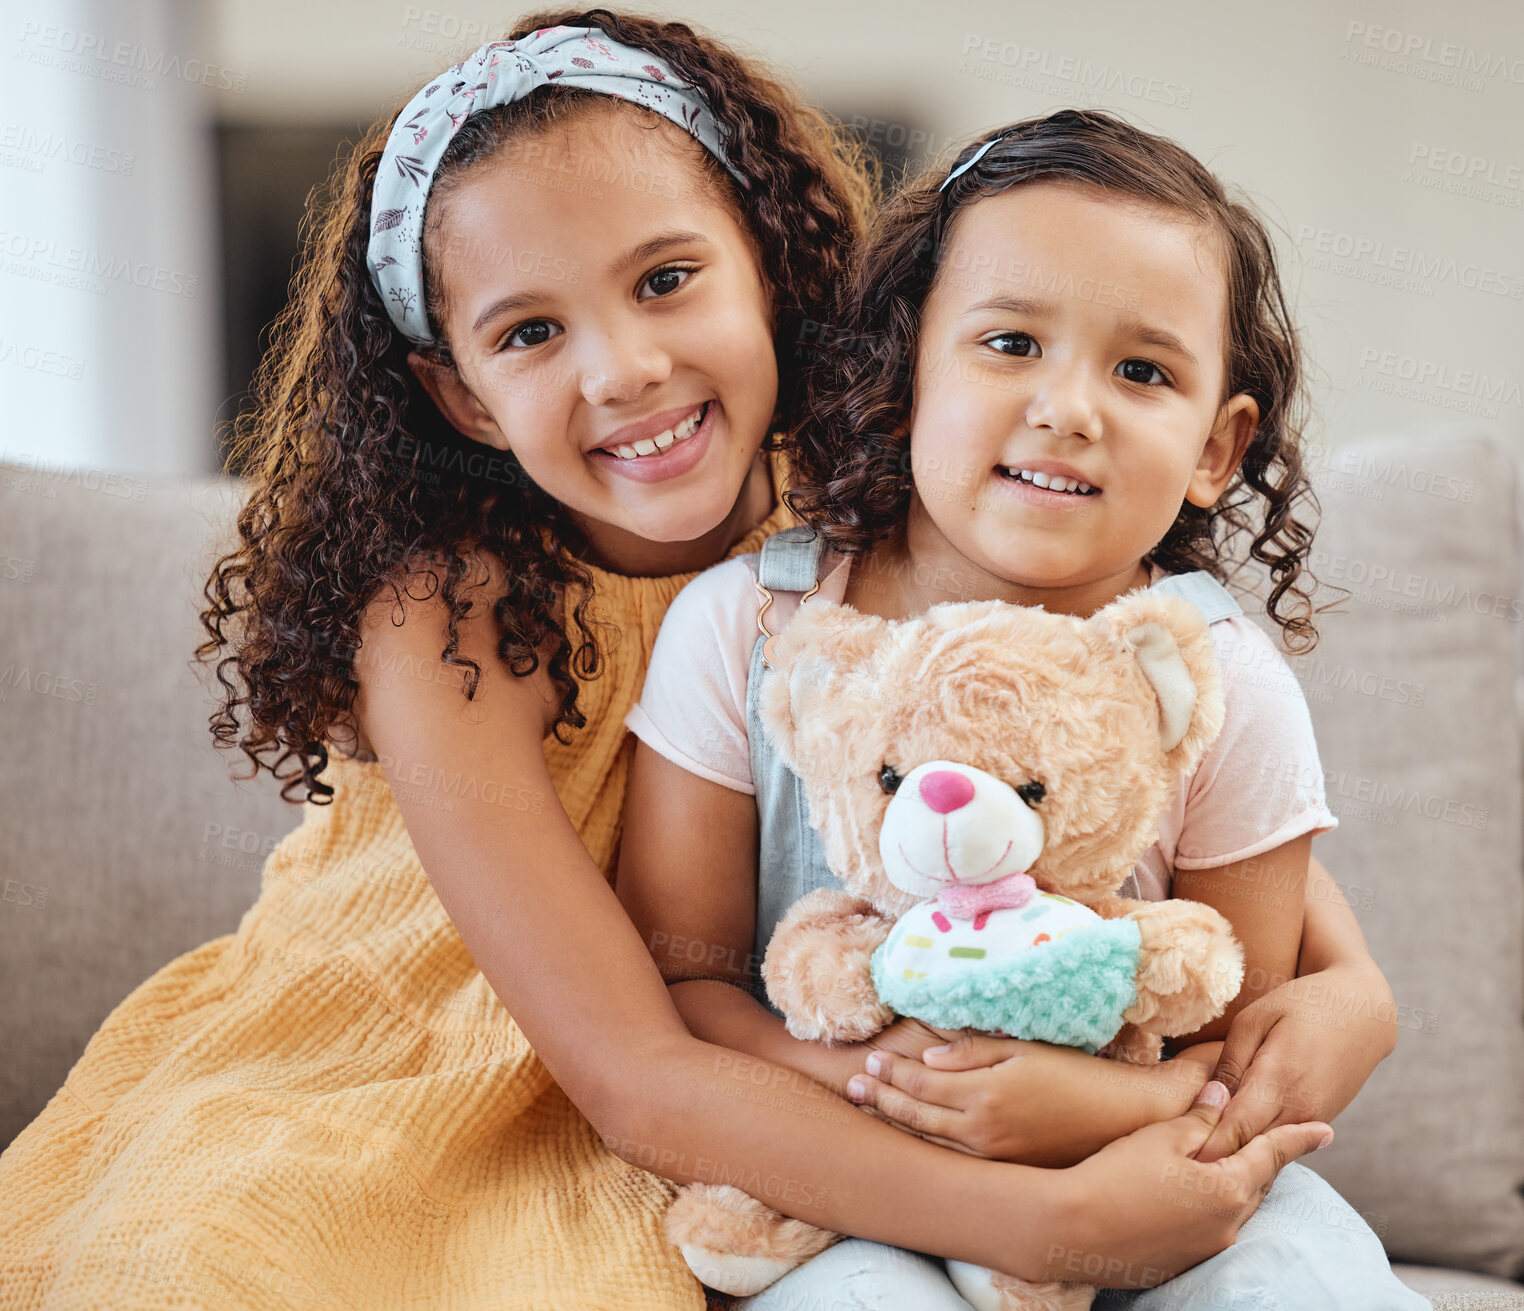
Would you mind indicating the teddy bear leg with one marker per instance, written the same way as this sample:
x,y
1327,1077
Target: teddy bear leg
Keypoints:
x,y
988,1290
735,1244
1135,1046
1190,966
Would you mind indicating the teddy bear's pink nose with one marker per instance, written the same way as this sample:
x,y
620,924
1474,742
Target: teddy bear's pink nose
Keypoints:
x,y
945,791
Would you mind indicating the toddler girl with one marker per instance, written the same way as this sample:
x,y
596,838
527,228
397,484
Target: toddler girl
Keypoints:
x,y
1062,373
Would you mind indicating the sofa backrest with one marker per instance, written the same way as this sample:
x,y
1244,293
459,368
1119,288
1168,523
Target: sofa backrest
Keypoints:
x,y
124,840
1413,694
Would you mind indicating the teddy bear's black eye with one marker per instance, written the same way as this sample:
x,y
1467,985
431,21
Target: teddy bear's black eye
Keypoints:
x,y
1032,792
889,779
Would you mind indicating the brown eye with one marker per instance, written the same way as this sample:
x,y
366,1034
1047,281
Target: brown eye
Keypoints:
x,y
889,779
1032,792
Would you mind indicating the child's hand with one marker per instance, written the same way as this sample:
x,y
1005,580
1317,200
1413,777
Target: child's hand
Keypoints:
x,y
985,1096
1146,1210
836,1065
1013,1100
908,1037
1302,1052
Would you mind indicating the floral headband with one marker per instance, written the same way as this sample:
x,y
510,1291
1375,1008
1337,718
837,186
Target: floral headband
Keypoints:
x,y
497,74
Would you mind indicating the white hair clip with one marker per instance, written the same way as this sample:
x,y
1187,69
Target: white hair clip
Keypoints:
x,y
969,162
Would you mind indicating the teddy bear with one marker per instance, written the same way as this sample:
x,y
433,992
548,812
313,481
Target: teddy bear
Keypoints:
x,y
983,778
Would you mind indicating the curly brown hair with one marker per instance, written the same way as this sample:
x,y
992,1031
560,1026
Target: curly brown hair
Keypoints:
x,y
849,452
358,484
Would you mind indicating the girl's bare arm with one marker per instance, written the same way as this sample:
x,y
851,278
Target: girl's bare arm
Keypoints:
x,y
1307,1047
1331,935
1262,897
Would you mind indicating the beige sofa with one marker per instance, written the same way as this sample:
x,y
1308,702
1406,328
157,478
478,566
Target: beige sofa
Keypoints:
x,y
123,841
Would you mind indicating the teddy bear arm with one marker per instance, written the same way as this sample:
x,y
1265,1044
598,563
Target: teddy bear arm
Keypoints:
x,y
1114,907
817,968
1190,966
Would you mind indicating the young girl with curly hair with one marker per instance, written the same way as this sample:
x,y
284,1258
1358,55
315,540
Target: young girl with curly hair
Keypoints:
x,y
543,326
1061,373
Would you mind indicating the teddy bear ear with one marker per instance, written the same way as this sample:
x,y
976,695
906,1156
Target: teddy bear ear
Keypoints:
x,y
1171,646
809,662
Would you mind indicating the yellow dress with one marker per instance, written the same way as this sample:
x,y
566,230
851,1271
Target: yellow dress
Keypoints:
x,y
330,1108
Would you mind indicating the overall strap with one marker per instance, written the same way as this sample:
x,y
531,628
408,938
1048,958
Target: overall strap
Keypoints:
x,y
790,859
790,562
1203,591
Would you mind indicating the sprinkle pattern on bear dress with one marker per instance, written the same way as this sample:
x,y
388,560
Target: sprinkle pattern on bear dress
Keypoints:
x,y
1053,971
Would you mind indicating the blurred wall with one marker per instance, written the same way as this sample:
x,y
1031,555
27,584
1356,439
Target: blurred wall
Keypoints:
x,y
1383,140
1386,141
109,342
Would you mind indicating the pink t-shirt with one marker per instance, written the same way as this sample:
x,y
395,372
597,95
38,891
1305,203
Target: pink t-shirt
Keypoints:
x,y
1259,785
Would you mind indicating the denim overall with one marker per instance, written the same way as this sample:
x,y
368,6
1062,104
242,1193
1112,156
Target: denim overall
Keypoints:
x,y
1305,1249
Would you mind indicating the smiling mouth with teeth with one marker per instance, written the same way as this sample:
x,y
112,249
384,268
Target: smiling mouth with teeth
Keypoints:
x,y
663,440
1051,482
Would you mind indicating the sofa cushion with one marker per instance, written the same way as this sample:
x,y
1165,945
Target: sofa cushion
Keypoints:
x,y
1412,691
126,841
1461,1290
